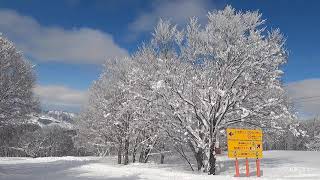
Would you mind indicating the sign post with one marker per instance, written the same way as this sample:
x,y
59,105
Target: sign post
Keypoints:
x,y
258,167
245,143
247,167
237,168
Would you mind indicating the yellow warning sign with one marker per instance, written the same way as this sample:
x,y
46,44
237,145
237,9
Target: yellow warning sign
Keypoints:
x,y
244,143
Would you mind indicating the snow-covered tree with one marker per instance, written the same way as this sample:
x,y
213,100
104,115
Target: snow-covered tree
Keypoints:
x,y
16,82
314,144
113,107
224,74
48,141
313,128
190,84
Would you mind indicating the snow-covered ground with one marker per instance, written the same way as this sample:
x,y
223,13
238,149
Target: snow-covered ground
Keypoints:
x,y
275,165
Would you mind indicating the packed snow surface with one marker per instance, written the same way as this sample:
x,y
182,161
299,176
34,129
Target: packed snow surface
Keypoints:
x,y
275,165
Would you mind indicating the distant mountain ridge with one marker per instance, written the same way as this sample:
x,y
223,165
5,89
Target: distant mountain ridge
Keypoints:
x,y
51,118
61,115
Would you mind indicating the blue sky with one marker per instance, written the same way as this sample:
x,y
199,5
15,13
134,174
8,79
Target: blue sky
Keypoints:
x,y
68,40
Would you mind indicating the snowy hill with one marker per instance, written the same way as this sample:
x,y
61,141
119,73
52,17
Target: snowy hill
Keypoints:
x,y
51,118
62,115
274,165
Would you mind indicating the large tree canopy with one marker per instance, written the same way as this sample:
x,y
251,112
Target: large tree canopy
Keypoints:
x,y
197,81
16,84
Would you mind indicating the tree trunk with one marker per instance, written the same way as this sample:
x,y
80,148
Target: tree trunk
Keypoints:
x,y
141,157
126,152
119,156
120,152
199,158
135,149
212,160
146,155
161,153
134,152
198,154
162,158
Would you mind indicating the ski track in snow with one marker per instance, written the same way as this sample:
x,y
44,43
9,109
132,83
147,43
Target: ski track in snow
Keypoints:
x,y
275,165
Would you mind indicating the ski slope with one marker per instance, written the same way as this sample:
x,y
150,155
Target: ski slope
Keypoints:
x,y
275,165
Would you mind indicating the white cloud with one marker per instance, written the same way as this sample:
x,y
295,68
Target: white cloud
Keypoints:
x,y
83,45
306,96
60,97
178,11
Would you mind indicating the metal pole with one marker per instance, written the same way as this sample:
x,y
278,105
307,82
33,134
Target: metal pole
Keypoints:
x,y
247,168
258,167
237,168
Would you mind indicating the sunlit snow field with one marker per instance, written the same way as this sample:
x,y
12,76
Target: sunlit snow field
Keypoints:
x,y
275,165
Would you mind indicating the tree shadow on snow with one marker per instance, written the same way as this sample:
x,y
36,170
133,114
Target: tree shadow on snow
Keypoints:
x,y
57,170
